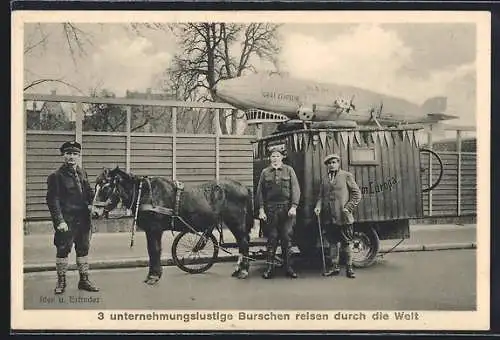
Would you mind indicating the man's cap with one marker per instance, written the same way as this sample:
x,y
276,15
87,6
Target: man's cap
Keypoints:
x,y
331,156
277,148
72,146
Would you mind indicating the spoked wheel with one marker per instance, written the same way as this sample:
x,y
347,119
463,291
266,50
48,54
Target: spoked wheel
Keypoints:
x,y
365,247
194,253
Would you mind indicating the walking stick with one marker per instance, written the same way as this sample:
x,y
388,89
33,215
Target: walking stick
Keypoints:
x,y
321,243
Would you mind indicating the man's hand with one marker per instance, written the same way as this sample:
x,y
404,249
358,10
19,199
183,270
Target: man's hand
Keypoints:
x,y
95,212
317,211
62,226
262,215
292,211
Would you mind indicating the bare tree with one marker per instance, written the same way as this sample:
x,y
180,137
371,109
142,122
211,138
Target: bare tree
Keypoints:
x,y
39,35
211,52
208,53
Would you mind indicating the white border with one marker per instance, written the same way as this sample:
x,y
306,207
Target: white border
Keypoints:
x,y
51,319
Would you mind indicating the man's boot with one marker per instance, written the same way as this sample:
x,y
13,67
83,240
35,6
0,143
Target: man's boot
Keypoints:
x,y
83,269
349,269
61,268
350,272
152,279
333,268
269,273
288,265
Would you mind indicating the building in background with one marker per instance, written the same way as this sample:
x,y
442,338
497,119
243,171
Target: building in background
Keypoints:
x,y
47,116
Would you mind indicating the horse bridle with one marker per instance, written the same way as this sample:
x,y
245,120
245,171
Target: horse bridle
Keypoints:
x,y
136,193
114,193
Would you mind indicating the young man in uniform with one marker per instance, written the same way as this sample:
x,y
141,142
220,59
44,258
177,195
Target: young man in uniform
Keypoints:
x,y
338,196
277,196
69,198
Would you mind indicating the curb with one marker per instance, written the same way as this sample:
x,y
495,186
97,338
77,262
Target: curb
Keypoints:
x,y
431,247
114,264
143,262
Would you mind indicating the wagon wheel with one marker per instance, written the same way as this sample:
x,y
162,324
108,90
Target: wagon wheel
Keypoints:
x,y
441,169
194,253
365,247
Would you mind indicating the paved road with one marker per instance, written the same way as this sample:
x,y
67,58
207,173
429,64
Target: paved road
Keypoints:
x,y
439,280
39,249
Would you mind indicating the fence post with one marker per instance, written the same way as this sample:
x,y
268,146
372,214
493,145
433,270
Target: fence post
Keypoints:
x,y
174,143
429,143
459,172
79,127
128,138
128,109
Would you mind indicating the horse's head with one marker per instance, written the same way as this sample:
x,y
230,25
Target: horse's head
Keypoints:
x,y
113,186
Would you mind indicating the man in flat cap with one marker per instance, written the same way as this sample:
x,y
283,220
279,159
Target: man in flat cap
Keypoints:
x,y
338,196
277,197
69,198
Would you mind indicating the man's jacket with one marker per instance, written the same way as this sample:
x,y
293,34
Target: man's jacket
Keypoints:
x,y
342,192
278,186
66,195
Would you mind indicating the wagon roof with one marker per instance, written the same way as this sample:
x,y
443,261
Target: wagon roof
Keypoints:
x,y
359,129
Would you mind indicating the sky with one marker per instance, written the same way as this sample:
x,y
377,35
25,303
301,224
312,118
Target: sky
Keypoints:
x,y
409,60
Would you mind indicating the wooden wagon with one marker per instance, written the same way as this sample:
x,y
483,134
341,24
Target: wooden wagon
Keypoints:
x,y
386,165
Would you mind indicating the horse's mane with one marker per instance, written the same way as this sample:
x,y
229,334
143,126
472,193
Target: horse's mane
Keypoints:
x,y
214,190
229,185
122,173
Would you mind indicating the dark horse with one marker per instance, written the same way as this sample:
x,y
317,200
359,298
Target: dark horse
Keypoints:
x,y
203,206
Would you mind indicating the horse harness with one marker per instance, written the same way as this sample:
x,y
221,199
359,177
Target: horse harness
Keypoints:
x,y
179,188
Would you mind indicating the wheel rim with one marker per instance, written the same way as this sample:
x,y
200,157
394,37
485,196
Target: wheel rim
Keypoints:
x,y
441,169
192,248
362,247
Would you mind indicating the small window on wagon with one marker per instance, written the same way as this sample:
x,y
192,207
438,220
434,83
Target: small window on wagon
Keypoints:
x,y
363,155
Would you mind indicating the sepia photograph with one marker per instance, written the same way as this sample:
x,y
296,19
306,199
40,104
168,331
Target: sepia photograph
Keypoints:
x,y
250,170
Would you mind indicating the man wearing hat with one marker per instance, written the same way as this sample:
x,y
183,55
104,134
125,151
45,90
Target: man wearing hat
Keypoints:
x,y
277,197
338,196
69,198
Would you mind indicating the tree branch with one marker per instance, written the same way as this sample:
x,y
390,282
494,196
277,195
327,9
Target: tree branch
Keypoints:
x,y
40,81
29,48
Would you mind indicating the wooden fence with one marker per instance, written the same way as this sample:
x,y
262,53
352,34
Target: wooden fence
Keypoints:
x,y
191,158
456,193
195,158
198,158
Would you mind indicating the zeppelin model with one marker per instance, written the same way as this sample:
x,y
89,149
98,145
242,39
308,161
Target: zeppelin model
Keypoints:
x,y
275,98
